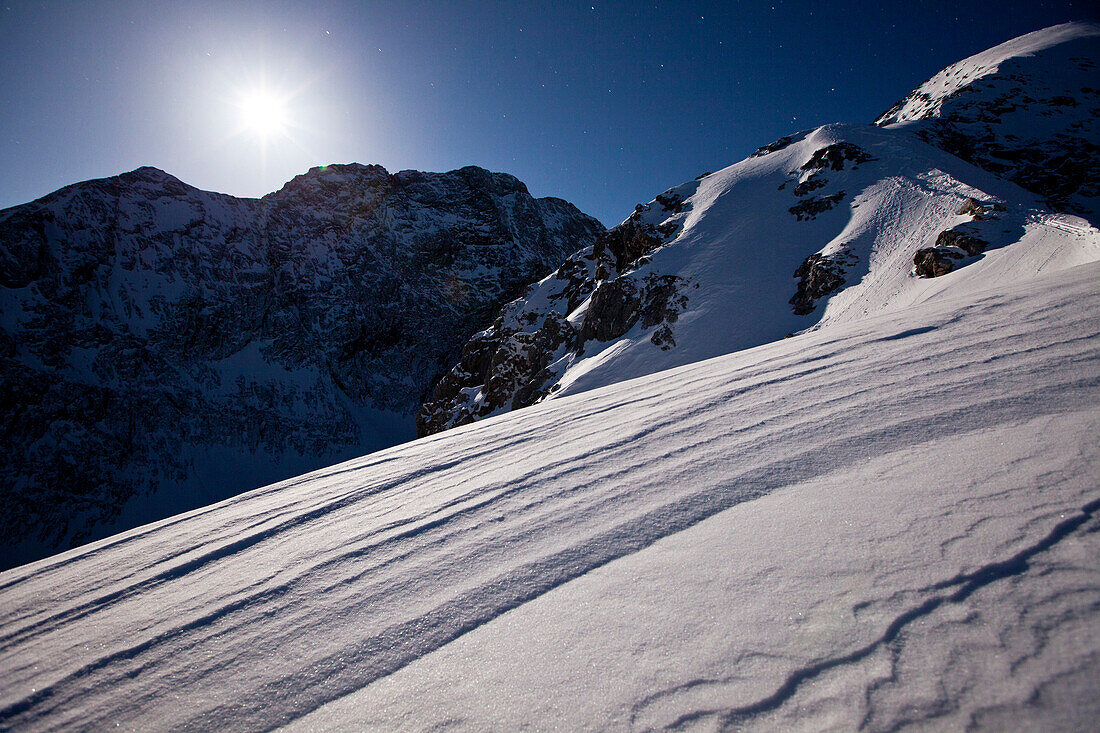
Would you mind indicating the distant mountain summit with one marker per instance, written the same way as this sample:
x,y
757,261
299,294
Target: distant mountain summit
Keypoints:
x,y
824,226
163,347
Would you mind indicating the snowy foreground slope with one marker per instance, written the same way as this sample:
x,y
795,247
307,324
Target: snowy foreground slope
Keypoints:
x,y
875,523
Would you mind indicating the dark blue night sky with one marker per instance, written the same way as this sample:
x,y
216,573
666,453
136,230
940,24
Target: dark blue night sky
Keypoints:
x,y
604,104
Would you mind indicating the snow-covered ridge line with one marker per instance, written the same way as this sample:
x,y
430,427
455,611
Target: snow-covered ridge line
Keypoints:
x,y
822,227
1025,110
326,584
927,99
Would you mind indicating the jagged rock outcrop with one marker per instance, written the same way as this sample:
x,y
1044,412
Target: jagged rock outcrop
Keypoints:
x,y
932,262
964,239
818,276
773,147
811,177
835,156
978,210
808,209
1024,110
951,246
597,295
811,184
157,339
964,242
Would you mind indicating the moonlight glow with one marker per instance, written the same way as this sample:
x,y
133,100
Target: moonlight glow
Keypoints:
x,y
263,114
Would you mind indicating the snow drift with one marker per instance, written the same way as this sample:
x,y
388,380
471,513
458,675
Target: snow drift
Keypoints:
x,y
873,523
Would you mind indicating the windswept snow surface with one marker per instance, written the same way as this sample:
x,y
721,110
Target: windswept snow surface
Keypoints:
x,y
877,523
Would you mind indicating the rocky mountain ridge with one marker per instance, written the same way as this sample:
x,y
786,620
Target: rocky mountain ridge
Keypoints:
x,y
163,347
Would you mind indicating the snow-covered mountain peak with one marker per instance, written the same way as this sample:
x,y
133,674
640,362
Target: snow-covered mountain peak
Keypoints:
x,y
145,182
148,174
342,172
341,180
344,187
162,346
1025,110
824,226
929,98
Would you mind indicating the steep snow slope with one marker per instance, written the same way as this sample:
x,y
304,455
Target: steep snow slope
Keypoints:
x,y
882,522
1026,110
163,347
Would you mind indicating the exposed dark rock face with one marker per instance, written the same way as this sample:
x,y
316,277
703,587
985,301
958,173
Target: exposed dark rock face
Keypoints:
x,y
775,146
671,201
617,305
978,210
629,241
811,184
663,299
147,325
834,157
951,248
808,209
962,239
518,360
612,310
812,173
819,276
932,262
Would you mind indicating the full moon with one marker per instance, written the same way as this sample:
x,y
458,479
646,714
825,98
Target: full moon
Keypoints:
x,y
263,114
